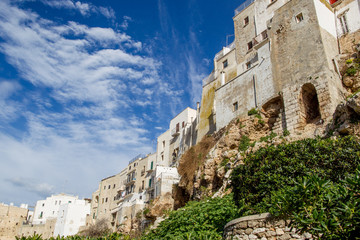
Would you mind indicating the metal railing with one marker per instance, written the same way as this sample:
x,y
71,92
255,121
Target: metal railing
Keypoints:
x,y
243,6
136,158
225,50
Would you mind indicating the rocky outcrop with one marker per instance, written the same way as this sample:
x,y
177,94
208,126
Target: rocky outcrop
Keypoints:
x,y
346,118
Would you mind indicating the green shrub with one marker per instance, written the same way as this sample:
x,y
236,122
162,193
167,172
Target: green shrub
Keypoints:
x,y
252,111
274,167
348,61
244,143
197,220
325,209
351,71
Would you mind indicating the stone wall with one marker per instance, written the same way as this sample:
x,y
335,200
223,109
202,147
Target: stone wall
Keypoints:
x,y
11,218
45,230
262,227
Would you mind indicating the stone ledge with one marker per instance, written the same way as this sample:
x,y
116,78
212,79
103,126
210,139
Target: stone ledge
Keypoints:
x,y
248,218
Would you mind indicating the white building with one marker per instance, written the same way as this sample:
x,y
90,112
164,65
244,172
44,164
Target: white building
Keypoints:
x,y
71,217
49,208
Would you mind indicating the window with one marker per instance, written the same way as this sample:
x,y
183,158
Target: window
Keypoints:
x,y
264,35
163,144
129,167
299,17
225,63
246,21
55,202
142,185
235,106
134,164
41,215
59,202
177,127
183,124
106,199
109,187
248,65
104,187
343,23
162,157
69,201
250,45
114,186
103,200
43,204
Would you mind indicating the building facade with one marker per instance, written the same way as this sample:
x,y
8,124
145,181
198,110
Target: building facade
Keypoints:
x,y
283,58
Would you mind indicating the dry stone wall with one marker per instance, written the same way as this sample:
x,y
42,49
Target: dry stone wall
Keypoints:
x,y
262,227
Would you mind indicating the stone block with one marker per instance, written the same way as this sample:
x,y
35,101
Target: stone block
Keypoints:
x,y
252,236
286,236
279,231
248,231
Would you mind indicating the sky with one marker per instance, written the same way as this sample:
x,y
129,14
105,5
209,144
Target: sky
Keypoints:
x,y
85,86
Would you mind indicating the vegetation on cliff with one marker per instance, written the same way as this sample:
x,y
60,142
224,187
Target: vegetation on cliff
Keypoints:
x,y
197,220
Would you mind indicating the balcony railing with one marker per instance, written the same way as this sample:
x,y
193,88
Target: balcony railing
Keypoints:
x,y
243,6
225,50
259,38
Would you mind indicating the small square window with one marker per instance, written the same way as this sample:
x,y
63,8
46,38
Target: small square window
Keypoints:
x,y
225,63
246,21
299,17
250,45
235,106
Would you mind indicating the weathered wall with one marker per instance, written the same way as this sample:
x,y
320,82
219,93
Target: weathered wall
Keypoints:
x,y
46,230
299,56
244,33
11,219
207,121
261,227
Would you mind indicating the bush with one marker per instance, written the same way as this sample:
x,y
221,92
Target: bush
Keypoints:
x,y
325,209
252,111
197,220
272,168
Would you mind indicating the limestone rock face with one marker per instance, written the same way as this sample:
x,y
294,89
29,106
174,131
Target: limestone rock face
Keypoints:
x,y
160,206
354,103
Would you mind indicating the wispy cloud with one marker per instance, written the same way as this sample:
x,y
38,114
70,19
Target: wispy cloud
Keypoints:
x,y
84,8
89,87
41,189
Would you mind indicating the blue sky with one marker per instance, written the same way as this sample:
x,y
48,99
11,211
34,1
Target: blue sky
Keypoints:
x,y
87,85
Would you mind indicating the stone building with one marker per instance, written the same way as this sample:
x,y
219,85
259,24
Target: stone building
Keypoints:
x,y
11,220
121,196
282,62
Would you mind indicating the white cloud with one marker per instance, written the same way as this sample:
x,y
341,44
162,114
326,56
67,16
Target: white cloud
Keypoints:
x,y
85,9
85,82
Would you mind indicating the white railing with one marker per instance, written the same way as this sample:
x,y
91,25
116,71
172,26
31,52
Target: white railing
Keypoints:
x,y
243,6
225,50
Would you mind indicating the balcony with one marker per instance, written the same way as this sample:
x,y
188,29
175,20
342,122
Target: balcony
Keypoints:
x,y
129,181
142,173
260,39
175,132
243,6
